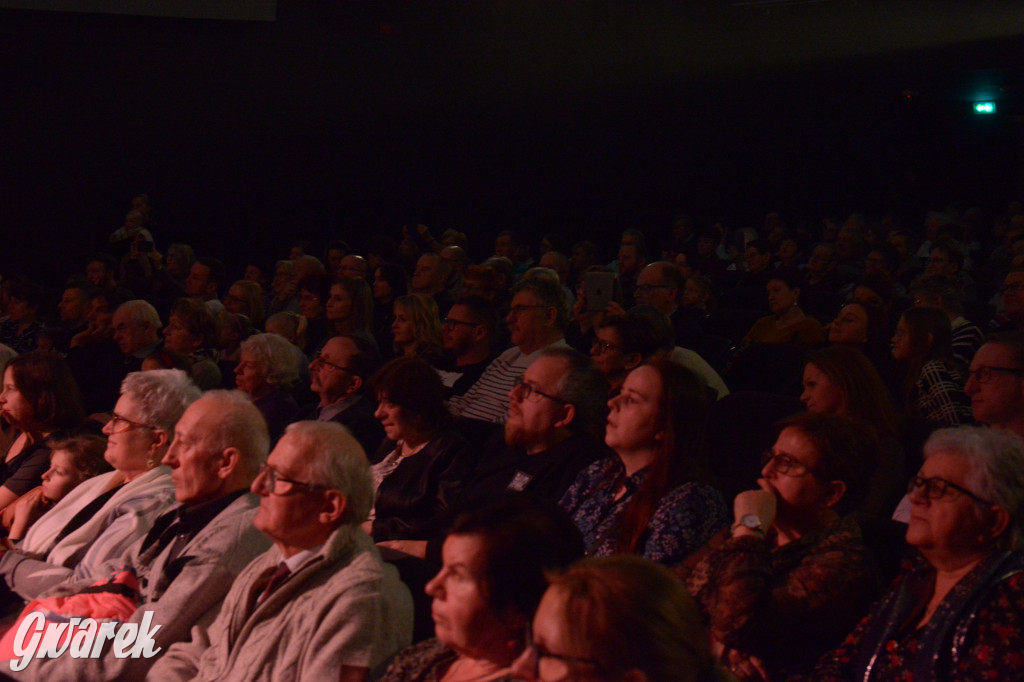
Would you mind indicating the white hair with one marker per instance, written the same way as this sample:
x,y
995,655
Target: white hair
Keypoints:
x,y
337,461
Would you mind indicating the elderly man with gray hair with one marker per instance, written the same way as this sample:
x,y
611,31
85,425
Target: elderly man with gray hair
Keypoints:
x,y
191,556
267,369
320,604
105,515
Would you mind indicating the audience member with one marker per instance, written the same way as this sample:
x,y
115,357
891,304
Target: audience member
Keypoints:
x,y
953,613
205,278
136,326
792,574
650,499
314,290
495,566
103,518
317,605
787,323
932,385
192,331
269,367
995,383
22,327
940,292
246,298
467,334
416,329
339,376
537,320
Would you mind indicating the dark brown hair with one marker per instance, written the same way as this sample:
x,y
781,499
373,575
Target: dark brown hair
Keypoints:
x,y
45,381
413,385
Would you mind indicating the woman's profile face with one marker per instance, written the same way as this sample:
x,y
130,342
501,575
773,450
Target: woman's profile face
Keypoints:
x,y
780,297
634,421
463,618
251,376
61,477
800,490
235,301
402,327
850,326
820,394
550,657
952,524
381,287
395,419
13,405
339,305
901,340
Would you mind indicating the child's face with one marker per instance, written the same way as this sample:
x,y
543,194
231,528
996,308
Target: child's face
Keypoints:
x,y
61,477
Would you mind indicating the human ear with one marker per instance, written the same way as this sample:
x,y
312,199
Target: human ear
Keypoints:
x,y
834,493
633,360
568,414
334,507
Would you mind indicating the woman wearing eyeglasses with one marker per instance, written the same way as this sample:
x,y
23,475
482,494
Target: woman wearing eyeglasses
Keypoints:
x,y
422,463
493,575
651,498
792,575
617,618
954,613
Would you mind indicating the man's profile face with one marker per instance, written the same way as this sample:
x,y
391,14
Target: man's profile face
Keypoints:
x,y
198,281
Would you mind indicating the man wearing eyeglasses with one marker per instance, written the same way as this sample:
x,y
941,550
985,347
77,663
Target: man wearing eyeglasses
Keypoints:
x,y
537,320
661,285
187,562
338,376
319,604
995,382
467,331
1012,292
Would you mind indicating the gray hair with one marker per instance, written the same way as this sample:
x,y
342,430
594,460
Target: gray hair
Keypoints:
x,y
242,427
280,358
162,396
549,293
996,457
337,461
583,387
6,354
142,313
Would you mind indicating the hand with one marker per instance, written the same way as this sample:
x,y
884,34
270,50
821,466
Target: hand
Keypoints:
x,y
27,509
760,502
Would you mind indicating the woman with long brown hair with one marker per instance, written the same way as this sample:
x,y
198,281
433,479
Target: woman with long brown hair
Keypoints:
x,y
651,499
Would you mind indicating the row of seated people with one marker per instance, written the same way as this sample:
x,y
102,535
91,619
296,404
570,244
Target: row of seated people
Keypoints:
x,y
654,426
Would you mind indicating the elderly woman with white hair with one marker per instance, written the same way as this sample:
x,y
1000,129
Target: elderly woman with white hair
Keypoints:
x,y
954,613
104,516
268,368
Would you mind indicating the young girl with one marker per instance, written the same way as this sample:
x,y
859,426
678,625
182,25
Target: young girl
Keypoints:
x,y
72,461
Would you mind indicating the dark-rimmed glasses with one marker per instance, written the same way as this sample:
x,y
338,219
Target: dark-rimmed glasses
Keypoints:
x,y
116,419
324,361
786,465
526,390
936,488
603,346
272,478
548,666
451,324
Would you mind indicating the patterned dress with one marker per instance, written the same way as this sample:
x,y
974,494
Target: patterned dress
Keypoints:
x,y
976,633
687,516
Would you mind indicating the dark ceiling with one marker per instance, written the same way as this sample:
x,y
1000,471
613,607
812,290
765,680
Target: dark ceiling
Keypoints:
x,y
343,116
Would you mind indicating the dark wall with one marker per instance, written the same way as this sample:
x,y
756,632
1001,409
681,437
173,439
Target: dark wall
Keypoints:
x,y
356,118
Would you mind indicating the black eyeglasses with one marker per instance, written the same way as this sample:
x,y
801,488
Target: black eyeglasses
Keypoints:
x,y
983,375
450,323
551,667
784,464
936,488
526,390
604,346
324,361
116,419
272,478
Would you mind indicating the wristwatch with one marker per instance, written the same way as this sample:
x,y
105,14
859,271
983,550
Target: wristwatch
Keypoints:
x,y
751,521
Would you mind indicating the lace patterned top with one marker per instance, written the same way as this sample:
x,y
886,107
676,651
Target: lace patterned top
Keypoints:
x,y
687,516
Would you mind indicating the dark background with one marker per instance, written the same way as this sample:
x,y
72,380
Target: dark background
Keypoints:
x,y
346,119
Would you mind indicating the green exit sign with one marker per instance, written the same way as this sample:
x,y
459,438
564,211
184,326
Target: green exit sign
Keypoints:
x,y
984,107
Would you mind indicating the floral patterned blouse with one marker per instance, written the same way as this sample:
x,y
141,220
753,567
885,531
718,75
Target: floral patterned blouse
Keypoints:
x,y
784,605
685,519
976,633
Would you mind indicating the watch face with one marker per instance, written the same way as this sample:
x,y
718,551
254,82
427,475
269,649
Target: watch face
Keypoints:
x,y
751,521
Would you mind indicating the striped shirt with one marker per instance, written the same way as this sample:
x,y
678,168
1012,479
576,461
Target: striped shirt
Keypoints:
x,y
487,399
